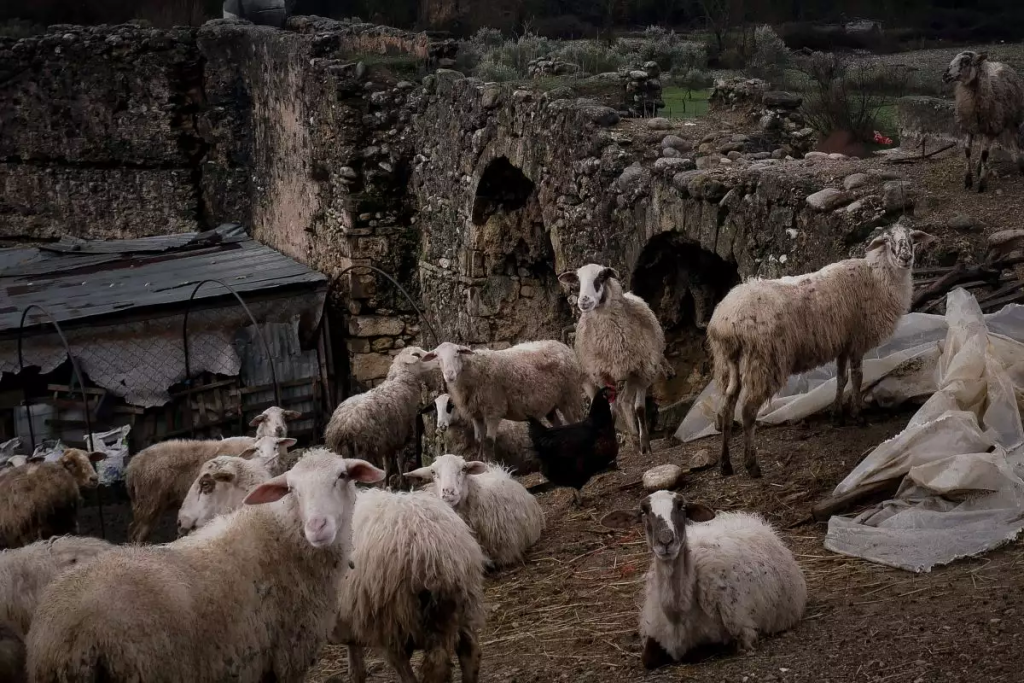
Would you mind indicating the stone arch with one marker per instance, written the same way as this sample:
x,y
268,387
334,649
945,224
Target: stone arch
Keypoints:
x,y
682,282
502,187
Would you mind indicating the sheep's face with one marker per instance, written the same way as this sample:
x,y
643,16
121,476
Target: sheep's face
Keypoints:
x,y
274,421
593,282
216,491
67,551
411,358
899,243
964,67
448,474
80,464
450,357
267,449
322,488
445,409
665,515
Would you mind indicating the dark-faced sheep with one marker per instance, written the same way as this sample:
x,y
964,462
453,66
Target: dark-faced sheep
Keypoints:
x,y
990,104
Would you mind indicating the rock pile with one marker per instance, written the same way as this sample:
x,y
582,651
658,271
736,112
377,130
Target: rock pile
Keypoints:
x,y
643,90
544,66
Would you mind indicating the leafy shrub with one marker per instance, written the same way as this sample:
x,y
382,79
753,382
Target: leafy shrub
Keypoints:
x,y
591,57
770,56
487,38
518,53
493,72
693,79
838,99
667,48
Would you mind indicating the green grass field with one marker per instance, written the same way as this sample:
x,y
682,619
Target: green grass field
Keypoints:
x,y
681,103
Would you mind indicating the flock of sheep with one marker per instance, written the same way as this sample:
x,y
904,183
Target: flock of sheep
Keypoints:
x,y
280,554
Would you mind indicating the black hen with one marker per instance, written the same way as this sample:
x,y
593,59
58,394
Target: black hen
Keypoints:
x,y
571,454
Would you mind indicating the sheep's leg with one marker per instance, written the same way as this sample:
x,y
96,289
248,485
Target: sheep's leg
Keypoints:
x,y
968,178
654,655
727,415
554,419
639,393
750,408
842,365
400,661
479,431
857,400
986,147
142,523
437,666
590,389
491,441
468,650
356,664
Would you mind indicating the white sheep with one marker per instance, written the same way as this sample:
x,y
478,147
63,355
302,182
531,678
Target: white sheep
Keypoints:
x,y
506,519
989,103
533,379
417,583
713,579
222,485
274,421
618,339
41,499
158,477
763,331
250,597
512,447
378,423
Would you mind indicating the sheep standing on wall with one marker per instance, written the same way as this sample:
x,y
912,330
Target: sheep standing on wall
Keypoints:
x,y
618,339
763,331
249,598
533,379
989,103
506,519
713,579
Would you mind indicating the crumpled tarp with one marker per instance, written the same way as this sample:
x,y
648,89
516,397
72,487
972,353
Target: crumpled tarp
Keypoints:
x,y
961,457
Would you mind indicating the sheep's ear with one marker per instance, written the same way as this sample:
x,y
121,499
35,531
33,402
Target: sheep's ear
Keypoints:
x,y
224,475
980,57
291,414
268,492
878,242
362,471
259,419
249,452
621,519
287,443
474,467
921,238
423,474
97,456
465,349
609,273
429,357
698,512
569,277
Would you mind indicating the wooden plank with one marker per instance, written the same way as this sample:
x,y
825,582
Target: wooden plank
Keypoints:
x,y
825,509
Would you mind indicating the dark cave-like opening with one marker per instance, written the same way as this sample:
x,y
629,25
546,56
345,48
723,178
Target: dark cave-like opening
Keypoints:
x,y
502,187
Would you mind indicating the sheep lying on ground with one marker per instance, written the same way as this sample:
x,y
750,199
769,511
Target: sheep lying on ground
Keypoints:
x,y
274,421
377,424
506,519
618,339
728,578
41,500
222,485
417,584
24,573
527,380
512,447
249,598
989,103
763,331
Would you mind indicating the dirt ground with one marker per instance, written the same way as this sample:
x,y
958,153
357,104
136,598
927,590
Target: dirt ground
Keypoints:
x,y
570,614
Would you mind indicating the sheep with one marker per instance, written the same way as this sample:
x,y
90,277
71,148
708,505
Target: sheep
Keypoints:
x,y
274,421
763,331
378,423
270,451
506,519
222,485
512,447
41,500
989,103
618,339
532,379
713,579
250,597
158,478
417,584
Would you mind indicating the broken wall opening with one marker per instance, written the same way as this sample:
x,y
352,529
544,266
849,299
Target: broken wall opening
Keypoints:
x,y
682,283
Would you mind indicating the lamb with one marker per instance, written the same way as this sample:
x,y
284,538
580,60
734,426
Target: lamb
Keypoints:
x,y
506,519
512,447
618,339
533,379
250,597
41,500
989,103
377,424
222,485
417,584
158,478
713,579
24,573
763,331
274,421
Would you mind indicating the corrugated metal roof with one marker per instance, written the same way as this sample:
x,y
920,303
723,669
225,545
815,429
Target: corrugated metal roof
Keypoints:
x,y
80,279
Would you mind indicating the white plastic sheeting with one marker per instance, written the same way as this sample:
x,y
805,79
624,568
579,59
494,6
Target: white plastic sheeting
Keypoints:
x,y
961,457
